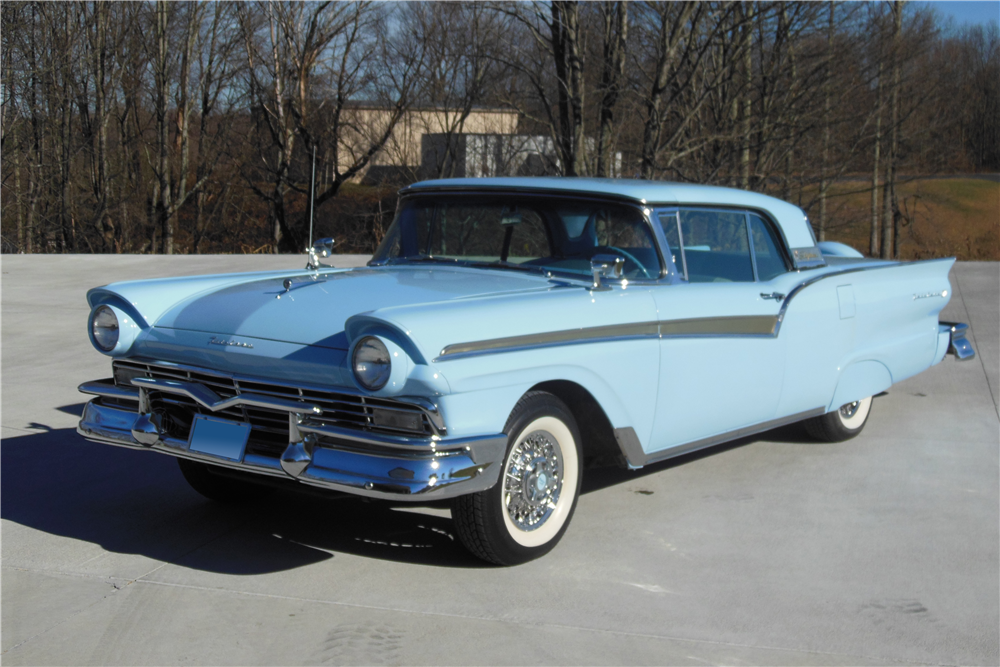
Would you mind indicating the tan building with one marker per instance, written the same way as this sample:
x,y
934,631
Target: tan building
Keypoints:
x,y
402,154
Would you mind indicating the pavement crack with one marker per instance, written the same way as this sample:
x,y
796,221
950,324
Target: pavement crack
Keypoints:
x,y
972,332
115,588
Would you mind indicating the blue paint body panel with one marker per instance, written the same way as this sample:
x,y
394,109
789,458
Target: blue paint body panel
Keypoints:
x,y
844,331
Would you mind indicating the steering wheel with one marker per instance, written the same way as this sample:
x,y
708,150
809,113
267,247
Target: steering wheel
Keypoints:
x,y
627,256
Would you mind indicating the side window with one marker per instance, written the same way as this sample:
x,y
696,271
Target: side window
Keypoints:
x,y
766,249
716,247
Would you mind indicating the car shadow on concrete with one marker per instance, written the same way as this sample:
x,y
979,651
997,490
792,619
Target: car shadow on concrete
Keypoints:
x,y
134,502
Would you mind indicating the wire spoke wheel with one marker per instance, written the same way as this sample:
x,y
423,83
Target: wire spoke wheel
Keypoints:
x,y
526,513
533,480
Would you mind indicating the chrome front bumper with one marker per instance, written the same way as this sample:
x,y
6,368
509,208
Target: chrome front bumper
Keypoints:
x,y
339,459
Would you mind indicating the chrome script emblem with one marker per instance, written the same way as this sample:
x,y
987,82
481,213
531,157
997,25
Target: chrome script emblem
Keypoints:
x,y
230,342
930,295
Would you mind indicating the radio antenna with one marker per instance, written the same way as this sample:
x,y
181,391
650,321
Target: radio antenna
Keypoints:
x,y
312,196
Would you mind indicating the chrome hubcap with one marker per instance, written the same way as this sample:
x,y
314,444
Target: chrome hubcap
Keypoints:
x,y
849,410
533,480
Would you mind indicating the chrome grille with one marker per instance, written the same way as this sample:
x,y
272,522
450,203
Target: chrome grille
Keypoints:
x,y
269,432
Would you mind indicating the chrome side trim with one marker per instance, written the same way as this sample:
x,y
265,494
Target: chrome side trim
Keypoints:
x,y
566,336
739,325
959,345
637,458
751,325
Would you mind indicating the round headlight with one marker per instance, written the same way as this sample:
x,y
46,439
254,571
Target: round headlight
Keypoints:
x,y
371,362
104,325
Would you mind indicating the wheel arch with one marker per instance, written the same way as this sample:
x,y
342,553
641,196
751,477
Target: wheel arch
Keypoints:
x,y
596,432
860,380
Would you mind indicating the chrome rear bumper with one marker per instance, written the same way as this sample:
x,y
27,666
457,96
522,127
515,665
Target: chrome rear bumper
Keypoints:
x,y
321,455
958,344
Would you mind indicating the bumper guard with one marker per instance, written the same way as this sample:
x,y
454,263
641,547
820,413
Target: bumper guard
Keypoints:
x,y
958,344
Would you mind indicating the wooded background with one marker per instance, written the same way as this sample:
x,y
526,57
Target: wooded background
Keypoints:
x,y
186,127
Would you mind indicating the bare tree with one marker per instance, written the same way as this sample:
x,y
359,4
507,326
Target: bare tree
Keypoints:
x,y
890,223
551,61
614,17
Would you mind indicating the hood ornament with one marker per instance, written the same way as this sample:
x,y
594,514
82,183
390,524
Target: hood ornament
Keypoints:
x,y
322,249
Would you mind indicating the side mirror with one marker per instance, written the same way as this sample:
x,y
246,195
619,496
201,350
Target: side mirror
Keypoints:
x,y
606,266
322,249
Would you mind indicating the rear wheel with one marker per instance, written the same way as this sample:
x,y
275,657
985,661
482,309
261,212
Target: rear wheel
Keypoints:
x,y
526,514
841,424
216,484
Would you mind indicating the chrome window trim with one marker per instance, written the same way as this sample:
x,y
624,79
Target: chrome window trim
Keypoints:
x,y
753,253
661,237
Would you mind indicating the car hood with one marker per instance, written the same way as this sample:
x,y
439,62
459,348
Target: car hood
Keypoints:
x,y
313,308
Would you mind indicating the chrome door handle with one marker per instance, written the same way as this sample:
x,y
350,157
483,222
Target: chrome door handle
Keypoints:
x,y
773,295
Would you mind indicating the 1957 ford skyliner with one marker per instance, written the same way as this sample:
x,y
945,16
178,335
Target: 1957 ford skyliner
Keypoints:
x,y
506,332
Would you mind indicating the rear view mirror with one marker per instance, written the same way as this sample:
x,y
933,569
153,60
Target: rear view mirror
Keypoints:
x,y
511,217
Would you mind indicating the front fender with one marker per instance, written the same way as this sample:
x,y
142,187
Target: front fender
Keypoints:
x,y
622,378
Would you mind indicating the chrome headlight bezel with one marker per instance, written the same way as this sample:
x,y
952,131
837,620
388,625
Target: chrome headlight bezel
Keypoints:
x,y
371,363
105,328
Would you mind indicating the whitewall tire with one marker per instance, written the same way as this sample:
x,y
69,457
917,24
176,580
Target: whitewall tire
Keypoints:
x,y
528,510
841,424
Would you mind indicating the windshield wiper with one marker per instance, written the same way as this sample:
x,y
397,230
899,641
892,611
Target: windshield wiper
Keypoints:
x,y
425,258
514,267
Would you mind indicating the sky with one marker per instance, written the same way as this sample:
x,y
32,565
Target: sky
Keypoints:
x,y
978,12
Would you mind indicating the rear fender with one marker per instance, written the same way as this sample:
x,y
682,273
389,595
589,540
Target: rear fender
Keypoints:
x,y
860,380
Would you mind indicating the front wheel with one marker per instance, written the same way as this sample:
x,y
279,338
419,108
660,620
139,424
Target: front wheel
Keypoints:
x,y
841,424
529,509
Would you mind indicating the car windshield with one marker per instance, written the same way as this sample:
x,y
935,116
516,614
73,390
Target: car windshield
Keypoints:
x,y
528,233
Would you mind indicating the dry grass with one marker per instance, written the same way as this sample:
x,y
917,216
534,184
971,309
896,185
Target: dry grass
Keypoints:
x,y
948,217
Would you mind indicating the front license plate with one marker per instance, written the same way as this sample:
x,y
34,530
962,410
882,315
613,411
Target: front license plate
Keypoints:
x,y
219,438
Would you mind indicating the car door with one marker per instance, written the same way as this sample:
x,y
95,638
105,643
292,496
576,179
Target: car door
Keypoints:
x,y
721,366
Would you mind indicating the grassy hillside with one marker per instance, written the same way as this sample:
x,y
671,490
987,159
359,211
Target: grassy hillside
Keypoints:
x,y
944,217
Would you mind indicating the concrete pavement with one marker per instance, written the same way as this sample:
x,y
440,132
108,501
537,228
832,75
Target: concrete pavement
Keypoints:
x,y
772,550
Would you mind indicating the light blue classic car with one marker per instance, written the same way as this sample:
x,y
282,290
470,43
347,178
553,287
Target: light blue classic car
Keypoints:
x,y
506,333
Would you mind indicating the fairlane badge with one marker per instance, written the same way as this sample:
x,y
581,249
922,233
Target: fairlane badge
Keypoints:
x,y
929,295
231,342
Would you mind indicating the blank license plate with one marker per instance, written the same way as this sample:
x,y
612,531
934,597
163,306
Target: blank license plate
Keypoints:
x,y
218,438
